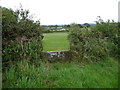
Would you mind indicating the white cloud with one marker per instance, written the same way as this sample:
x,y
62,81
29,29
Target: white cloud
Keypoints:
x,y
67,11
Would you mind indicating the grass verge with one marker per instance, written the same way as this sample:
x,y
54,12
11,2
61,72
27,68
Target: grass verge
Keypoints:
x,y
102,74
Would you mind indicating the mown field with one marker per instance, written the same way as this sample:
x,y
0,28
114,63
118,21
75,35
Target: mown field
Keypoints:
x,y
102,74
55,41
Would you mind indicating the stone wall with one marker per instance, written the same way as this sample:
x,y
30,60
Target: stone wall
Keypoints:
x,y
56,55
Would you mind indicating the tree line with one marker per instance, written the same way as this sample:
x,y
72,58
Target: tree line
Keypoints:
x,y
61,28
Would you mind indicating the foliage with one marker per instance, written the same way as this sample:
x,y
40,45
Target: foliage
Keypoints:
x,y
96,42
87,25
21,36
28,51
103,74
9,22
81,26
55,28
110,31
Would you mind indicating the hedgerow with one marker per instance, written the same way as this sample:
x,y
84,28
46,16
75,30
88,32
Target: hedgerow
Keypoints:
x,y
21,36
96,42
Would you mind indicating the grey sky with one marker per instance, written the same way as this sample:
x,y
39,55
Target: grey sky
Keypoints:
x,y
67,11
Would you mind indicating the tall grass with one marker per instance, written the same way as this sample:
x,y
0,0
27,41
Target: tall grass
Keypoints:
x,y
102,74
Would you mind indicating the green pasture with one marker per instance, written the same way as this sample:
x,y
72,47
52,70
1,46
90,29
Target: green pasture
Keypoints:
x,y
55,41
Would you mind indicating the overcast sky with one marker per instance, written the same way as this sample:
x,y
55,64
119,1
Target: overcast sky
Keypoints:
x,y
67,11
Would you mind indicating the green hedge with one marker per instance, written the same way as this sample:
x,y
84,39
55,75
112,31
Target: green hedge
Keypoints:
x,y
22,37
96,42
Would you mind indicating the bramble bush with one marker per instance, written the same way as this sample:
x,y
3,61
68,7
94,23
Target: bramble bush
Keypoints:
x,y
22,37
96,42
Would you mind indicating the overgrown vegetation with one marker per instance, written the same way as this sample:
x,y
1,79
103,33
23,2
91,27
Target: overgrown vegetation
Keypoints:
x,y
22,59
21,36
97,42
102,74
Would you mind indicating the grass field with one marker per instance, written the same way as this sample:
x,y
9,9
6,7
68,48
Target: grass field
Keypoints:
x,y
102,74
55,41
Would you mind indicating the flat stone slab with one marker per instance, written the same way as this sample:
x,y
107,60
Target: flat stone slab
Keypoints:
x,y
54,55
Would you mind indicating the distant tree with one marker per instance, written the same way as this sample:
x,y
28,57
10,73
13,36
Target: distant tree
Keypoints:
x,y
68,26
80,25
55,26
86,25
